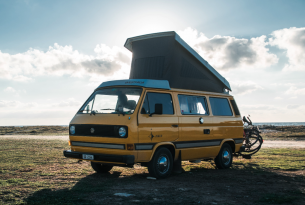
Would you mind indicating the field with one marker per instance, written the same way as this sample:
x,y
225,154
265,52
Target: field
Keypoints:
x,y
35,172
268,132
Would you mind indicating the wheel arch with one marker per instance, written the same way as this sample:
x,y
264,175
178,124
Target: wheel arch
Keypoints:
x,y
231,142
170,146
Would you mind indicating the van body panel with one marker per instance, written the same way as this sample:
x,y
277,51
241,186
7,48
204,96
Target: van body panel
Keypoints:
x,y
147,133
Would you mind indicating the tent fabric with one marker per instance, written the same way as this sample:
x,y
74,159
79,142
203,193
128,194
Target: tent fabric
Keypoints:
x,y
165,56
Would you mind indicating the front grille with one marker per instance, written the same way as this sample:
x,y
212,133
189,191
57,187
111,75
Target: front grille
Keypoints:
x,y
98,130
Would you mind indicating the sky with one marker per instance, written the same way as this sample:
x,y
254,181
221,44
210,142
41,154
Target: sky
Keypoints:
x,y
53,54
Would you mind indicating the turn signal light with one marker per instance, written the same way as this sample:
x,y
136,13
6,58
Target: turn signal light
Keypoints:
x,y
69,143
130,147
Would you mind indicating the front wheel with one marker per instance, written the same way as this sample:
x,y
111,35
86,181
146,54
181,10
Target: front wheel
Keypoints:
x,y
101,168
161,165
224,157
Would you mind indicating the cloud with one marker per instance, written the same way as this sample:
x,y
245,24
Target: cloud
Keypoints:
x,y
295,91
16,104
14,91
63,60
242,88
71,102
9,90
227,53
293,106
292,40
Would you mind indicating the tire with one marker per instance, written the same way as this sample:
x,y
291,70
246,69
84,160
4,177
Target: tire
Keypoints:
x,y
101,168
224,158
161,165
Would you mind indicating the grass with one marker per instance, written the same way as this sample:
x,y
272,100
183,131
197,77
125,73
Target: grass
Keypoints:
x,y
36,172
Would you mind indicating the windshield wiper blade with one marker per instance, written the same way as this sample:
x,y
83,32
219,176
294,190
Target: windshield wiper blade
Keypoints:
x,y
107,109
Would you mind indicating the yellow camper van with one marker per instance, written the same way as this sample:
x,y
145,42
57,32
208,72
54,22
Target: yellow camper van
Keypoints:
x,y
186,114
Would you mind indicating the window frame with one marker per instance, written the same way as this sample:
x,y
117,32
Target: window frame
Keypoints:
x,y
93,93
206,104
147,91
232,113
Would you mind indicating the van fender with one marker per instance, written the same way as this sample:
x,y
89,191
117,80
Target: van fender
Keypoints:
x,y
231,142
169,145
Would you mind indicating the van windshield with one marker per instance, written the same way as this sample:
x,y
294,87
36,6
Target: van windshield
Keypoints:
x,y
113,101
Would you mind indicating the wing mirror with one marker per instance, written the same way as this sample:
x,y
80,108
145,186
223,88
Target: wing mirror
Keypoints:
x,y
158,109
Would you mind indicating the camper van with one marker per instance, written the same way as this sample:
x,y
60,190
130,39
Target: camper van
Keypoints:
x,y
181,110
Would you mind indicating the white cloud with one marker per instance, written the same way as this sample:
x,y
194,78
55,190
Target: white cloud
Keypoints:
x,y
292,40
295,91
60,60
9,90
14,91
242,88
71,102
226,52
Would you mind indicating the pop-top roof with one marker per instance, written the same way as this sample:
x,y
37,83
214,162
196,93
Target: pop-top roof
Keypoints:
x,y
180,63
160,84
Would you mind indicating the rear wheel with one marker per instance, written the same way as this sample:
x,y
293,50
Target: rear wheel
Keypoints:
x,y
101,168
161,165
224,157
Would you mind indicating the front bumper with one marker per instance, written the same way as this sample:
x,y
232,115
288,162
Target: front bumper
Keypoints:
x,y
126,159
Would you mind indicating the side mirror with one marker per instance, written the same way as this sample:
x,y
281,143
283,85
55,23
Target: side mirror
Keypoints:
x,y
158,109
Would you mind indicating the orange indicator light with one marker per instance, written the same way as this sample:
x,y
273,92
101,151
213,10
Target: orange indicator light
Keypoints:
x,y
129,146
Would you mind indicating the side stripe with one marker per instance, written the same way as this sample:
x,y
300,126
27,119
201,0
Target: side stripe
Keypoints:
x,y
144,146
239,140
98,145
191,144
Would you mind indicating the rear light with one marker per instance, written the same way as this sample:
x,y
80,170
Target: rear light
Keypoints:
x,y
69,143
130,147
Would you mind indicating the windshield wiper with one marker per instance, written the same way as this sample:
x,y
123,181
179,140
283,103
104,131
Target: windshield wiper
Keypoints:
x,y
107,109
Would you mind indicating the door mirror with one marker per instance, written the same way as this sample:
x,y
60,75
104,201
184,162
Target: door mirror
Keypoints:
x,y
158,109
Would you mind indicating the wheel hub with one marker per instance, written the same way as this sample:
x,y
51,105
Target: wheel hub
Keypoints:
x,y
226,157
163,164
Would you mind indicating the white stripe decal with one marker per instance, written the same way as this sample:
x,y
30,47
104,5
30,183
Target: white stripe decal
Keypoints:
x,y
88,144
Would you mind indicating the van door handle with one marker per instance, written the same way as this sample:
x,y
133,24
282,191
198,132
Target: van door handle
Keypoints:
x,y
206,131
174,125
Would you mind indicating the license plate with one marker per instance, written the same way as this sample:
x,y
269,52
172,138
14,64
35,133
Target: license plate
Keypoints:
x,y
88,156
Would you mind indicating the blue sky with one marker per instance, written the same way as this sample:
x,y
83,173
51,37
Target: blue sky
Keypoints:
x,y
48,51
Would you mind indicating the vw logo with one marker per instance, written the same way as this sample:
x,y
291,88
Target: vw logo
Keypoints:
x,y
92,130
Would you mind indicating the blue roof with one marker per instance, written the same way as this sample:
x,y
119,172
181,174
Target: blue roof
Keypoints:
x,y
129,41
159,84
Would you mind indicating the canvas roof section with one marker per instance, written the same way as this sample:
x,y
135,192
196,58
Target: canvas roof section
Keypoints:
x,y
166,56
159,84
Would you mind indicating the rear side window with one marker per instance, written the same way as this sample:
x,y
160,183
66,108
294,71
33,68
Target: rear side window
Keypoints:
x,y
158,98
220,106
193,105
235,108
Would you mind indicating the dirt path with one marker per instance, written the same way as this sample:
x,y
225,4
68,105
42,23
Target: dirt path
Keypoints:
x,y
267,143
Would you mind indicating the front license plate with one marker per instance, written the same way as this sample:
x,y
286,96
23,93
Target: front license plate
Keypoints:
x,y
88,156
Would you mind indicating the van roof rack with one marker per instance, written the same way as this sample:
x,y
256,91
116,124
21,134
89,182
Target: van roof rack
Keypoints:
x,y
165,56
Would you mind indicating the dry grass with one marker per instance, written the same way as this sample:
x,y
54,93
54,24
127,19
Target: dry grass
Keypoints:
x,y
35,172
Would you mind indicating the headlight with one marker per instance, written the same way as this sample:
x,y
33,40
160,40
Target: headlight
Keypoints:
x,y
72,130
122,132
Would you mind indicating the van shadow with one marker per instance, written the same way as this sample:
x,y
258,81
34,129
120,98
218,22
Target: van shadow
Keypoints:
x,y
264,186
91,186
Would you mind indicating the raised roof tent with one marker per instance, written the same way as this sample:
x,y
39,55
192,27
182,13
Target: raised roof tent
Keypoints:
x,y
165,56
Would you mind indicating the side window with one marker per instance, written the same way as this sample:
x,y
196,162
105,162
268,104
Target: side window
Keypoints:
x,y
193,105
220,107
158,98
